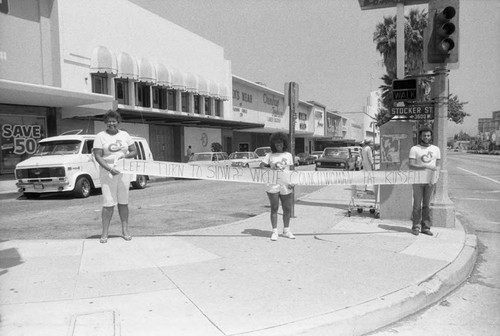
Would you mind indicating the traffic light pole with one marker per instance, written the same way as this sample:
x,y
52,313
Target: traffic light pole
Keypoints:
x,y
442,208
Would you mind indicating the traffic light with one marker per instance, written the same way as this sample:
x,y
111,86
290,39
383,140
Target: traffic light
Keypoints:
x,y
441,35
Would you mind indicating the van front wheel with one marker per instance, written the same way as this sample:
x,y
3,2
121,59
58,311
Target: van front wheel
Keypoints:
x,y
83,187
140,182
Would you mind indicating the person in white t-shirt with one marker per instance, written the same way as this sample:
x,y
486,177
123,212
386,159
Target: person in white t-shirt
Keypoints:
x,y
109,146
423,156
279,159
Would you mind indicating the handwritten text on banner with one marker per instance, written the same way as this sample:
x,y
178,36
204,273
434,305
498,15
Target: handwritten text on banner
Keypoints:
x,y
264,176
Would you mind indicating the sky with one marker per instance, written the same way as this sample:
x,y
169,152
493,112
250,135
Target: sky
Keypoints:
x,y
327,47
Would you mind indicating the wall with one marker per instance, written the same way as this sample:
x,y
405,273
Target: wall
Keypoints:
x,y
21,43
200,138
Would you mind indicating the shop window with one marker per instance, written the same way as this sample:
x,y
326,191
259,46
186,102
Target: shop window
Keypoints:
x,y
142,95
99,83
208,105
185,102
197,104
218,107
121,91
159,97
171,100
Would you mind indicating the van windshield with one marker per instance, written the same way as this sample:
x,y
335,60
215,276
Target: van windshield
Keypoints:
x,y
61,147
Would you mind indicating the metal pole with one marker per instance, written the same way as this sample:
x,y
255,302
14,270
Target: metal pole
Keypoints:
x,y
400,40
292,89
442,208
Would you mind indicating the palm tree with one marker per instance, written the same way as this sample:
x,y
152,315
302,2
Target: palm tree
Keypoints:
x,y
385,39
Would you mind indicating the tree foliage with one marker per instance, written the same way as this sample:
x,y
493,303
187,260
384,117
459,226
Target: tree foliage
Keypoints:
x,y
456,111
216,147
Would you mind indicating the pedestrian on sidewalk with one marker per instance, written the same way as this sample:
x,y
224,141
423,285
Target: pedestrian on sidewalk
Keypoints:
x,y
423,156
367,157
279,159
109,146
189,152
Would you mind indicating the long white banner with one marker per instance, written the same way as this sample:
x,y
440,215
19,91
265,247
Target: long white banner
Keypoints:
x,y
264,176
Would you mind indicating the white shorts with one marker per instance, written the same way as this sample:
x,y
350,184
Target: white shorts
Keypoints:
x,y
114,188
279,188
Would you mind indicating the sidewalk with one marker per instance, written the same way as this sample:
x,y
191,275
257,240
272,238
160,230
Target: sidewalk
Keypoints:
x,y
341,276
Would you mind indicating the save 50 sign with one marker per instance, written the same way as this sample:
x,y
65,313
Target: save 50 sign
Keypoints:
x,y
24,137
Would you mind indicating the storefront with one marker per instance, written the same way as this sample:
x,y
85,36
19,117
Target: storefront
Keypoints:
x,y
254,102
79,60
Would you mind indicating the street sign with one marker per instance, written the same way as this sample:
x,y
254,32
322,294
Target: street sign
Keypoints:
x,y
414,112
404,89
376,4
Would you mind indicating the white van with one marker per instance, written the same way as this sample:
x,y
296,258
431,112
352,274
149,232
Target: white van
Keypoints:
x,y
65,163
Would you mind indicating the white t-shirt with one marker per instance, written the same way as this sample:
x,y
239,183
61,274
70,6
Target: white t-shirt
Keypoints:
x,y
113,146
425,156
281,161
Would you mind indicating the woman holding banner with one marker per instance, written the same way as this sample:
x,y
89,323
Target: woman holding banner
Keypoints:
x,y
279,159
109,146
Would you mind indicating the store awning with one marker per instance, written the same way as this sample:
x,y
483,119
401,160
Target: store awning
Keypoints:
x,y
163,75
103,61
269,130
127,66
191,83
214,89
203,86
223,92
178,80
146,71
161,118
19,93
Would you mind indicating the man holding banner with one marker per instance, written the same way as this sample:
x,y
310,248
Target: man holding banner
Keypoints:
x,y
423,156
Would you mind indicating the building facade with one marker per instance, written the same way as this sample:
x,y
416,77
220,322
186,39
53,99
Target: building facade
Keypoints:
x,y
77,60
81,59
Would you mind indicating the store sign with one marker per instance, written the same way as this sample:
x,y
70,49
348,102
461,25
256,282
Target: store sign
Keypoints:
x,y
24,137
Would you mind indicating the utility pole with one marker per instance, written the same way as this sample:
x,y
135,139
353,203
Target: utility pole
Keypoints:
x,y
443,209
292,101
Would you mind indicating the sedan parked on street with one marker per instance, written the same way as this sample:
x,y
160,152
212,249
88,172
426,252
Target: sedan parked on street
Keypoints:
x,y
245,159
305,159
335,158
208,158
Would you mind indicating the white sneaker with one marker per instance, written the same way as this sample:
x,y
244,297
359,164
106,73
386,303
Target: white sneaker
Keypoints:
x,y
288,234
274,236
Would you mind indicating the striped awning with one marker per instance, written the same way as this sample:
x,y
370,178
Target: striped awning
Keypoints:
x,y
146,71
127,66
103,61
203,86
178,80
214,89
163,75
223,92
191,83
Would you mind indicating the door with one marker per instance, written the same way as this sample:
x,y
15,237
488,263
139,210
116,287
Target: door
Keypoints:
x,y
161,140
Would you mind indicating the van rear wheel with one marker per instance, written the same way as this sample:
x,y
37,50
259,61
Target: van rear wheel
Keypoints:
x,y
140,182
83,187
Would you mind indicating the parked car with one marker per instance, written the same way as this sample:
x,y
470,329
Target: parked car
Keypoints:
x,y
316,154
65,163
262,151
245,159
305,158
206,158
336,158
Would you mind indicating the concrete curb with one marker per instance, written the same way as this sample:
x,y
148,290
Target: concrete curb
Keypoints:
x,y
375,314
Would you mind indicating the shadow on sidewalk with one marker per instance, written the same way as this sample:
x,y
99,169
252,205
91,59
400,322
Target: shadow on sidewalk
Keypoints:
x,y
342,206
395,228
